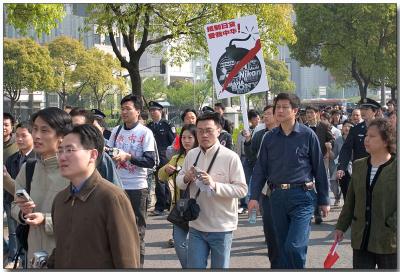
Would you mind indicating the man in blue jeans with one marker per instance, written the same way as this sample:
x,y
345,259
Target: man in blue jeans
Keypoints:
x,y
289,158
219,174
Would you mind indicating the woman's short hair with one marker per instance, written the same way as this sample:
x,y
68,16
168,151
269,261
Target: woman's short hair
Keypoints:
x,y
56,118
386,132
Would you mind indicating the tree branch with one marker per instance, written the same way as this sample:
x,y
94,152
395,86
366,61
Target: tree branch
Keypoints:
x,y
122,59
145,32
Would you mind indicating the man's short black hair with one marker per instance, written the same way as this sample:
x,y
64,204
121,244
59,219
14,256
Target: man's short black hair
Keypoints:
x,y
293,99
219,104
89,117
25,124
313,108
56,118
215,116
267,107
90,138
252,114
7,115
136,100
186,111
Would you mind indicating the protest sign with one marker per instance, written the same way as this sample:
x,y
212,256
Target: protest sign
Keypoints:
x,y
236,57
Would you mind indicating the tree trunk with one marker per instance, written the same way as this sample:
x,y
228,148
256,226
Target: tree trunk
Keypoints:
x,y
12,105
266,98
30,103
393,93
136,80
383,94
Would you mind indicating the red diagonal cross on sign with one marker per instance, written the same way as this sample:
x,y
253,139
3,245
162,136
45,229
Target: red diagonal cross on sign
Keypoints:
x,y
246,59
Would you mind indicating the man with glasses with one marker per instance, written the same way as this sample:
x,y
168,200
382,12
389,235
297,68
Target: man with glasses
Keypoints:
x,y
289,159
93,221
220,175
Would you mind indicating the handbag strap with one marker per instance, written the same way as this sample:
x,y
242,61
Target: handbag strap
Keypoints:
x,y
175,187
208,170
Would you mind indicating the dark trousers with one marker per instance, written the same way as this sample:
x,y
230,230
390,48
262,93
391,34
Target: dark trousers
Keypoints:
x,y
138,200
248,171
344,184
363,259
269,232
163,194
291,214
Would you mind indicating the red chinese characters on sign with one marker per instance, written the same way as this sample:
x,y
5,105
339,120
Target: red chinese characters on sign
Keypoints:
x,y
222,29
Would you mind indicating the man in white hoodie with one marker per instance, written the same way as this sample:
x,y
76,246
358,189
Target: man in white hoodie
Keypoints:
x,y
220,171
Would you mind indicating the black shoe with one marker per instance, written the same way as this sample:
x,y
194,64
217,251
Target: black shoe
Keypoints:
x,y
171,242
318,220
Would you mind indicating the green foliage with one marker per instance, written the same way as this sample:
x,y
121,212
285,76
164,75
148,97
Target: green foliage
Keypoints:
x,y
356,42
26,66
67,55
41,17
278,77
100,73
154,88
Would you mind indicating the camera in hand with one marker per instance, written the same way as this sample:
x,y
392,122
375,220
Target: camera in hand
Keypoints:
x,y
39,259
112,151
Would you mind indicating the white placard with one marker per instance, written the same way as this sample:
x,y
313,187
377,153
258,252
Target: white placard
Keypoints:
x,y
236,57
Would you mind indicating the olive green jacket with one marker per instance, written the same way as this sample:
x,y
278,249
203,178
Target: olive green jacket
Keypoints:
x,y
383,207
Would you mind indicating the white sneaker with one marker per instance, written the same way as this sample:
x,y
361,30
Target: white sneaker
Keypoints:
x,y
240,210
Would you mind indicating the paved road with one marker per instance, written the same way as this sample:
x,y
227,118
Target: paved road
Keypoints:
x,y
248,247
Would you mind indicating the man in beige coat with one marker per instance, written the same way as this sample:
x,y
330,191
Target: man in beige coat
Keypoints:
x,y
94,223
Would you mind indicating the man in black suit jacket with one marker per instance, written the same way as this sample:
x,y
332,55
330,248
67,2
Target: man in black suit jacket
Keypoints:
x,y
326,140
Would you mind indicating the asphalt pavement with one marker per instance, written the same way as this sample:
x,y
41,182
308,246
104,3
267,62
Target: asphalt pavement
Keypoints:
x,y
248,247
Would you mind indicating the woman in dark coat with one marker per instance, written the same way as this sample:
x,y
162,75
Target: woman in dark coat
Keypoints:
x,y
371,202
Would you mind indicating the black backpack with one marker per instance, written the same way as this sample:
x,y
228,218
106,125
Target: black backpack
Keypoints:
x,y
22,231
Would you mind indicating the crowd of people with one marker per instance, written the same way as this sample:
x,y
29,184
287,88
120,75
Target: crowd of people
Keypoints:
x,y
88,188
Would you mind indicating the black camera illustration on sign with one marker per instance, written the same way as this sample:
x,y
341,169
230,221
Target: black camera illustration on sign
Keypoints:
x,y
239,69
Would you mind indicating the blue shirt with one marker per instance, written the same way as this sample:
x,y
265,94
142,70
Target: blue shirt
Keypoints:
x,y
295,158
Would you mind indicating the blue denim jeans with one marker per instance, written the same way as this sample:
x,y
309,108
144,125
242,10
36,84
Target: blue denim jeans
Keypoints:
x,y
291,213
181,244
200,245
12,238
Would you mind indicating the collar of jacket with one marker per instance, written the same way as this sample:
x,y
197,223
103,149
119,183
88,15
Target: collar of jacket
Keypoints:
x,y
87,189
49,162
211,150
296,128
10,141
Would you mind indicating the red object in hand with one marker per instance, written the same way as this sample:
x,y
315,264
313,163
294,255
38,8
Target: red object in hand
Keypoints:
x,y
332,256
177,145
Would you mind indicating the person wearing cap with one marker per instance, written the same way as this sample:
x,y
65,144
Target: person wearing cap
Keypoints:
x,y
353,148
99,122
164,133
